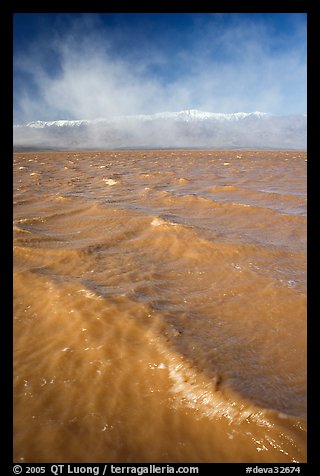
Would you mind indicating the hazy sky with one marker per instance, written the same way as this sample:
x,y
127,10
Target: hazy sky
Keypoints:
x,y
85,66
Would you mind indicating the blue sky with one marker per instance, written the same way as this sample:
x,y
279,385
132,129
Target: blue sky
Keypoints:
x,y
85,66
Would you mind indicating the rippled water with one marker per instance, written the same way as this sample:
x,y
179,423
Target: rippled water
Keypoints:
x,y
160,306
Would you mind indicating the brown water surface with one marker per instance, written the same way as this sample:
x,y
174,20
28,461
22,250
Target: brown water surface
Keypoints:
x,y
160,306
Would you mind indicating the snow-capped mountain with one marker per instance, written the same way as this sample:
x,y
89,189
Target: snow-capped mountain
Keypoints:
x,y
188,128
188,115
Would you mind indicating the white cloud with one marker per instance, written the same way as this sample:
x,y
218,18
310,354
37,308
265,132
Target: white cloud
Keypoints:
x,y
225,70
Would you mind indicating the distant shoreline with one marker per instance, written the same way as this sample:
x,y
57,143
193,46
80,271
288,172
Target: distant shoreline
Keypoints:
x,y
50,149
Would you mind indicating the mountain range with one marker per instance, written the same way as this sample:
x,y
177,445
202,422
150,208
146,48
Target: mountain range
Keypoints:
x,y
185,129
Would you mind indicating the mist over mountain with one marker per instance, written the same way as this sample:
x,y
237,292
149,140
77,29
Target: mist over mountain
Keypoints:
x,y
184,129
